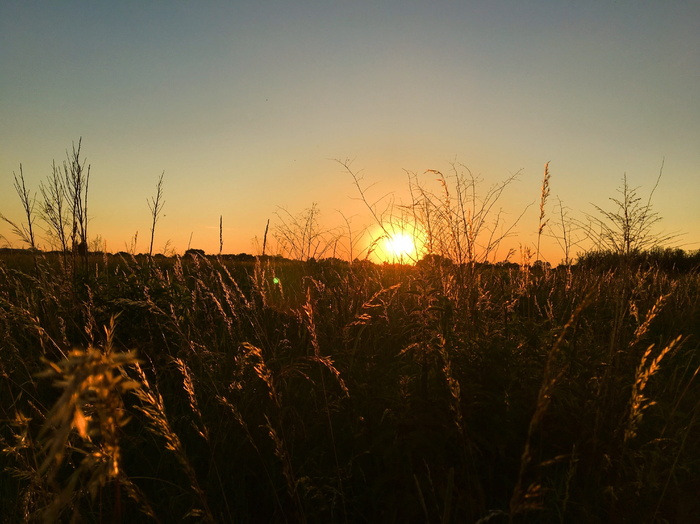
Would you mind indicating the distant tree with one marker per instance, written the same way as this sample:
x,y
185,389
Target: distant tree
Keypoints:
x,y
507,264
434,260
243,257
629,227
541,265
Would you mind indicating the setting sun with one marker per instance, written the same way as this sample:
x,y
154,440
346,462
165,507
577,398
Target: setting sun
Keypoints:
x,y
400,246
396,243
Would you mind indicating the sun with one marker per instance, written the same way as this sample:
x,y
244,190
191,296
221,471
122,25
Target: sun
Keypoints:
x,y
395,246
396,242
400,246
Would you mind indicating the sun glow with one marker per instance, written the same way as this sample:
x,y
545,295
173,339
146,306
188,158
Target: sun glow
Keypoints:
x,y
397,245
400,245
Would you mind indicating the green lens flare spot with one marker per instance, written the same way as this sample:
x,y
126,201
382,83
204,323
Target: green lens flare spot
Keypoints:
x,y
275,280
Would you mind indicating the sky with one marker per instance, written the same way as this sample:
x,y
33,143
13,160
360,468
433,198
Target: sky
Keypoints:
x,y
250,109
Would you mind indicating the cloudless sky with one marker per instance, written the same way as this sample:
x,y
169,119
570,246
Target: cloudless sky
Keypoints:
x,y
246,105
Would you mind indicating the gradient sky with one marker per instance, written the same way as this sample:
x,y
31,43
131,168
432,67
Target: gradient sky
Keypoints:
x,y
246,106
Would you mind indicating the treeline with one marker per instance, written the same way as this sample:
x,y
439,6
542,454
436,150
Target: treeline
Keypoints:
x,y
665,259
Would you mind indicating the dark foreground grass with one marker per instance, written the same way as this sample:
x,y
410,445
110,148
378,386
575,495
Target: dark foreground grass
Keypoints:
x,y
139,389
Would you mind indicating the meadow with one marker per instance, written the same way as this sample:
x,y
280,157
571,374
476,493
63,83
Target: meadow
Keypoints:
x,y
141,388
146,388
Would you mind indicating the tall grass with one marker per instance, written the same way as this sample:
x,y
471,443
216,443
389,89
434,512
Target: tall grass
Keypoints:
x,y
358,392
272,390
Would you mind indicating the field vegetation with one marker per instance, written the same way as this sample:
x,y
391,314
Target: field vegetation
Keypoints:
x,y
247,388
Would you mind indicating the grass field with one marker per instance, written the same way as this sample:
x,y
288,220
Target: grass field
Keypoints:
x,y
266,390
309,389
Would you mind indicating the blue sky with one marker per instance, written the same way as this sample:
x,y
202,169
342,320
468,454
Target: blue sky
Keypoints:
x,y
247,105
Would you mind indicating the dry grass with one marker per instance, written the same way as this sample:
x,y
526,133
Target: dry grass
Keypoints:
x,y
353,392
323,391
